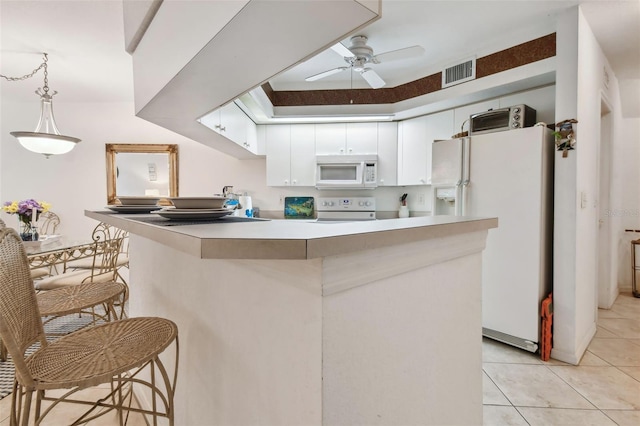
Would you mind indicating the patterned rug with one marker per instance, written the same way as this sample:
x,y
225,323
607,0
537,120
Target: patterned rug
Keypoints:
x,y
56,327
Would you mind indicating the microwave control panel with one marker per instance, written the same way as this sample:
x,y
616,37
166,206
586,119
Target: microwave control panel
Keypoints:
x,y
369,172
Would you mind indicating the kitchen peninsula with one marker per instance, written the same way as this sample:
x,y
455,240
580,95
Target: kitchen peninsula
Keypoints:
x,y
304,323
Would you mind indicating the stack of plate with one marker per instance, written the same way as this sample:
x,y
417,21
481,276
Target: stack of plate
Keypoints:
x,y
195,208
135,205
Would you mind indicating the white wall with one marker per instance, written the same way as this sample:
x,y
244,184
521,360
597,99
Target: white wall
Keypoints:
x,y
579,91
77,181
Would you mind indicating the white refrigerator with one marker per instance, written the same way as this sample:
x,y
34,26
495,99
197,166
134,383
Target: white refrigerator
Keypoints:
x,y
508,175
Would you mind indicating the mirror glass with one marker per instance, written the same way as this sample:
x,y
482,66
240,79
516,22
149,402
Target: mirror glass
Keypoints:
x,y
142,169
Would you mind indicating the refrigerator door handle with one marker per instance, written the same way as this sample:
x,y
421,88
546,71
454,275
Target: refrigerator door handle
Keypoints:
x,y
463,198
458,202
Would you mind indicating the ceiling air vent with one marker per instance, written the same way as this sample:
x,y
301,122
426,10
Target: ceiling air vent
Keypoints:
x,y
459,73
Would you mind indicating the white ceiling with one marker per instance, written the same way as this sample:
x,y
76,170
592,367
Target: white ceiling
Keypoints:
x,y
88,62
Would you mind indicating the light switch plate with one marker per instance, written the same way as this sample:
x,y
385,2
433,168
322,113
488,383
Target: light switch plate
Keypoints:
x,y
583,199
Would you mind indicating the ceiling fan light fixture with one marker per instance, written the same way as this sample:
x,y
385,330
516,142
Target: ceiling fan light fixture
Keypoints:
x,y
359,54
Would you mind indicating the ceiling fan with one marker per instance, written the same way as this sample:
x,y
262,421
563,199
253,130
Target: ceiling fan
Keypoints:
x,y
358,55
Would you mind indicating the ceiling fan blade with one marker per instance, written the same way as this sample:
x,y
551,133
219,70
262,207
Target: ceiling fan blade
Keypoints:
x,y
394,55
325,74
342,50
374,80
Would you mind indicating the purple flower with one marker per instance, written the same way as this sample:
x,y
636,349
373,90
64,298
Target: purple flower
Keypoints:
x,y
25,207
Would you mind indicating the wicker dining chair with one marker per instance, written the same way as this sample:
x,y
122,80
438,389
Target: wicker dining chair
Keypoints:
x,y
48,223
103,262
121,262
116,352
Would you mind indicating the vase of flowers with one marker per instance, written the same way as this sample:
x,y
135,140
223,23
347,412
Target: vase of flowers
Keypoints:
x,y
28,212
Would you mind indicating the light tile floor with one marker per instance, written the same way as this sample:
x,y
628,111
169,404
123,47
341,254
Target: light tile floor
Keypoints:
x,y
521,389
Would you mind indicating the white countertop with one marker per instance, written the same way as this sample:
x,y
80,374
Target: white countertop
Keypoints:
x,y
290,239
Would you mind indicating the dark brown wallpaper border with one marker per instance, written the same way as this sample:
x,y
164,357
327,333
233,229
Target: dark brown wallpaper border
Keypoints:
x,y
513,57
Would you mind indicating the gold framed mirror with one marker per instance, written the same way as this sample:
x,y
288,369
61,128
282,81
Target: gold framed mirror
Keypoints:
x,y
142,169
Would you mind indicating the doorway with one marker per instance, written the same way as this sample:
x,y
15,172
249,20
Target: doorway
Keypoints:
x,y
607,284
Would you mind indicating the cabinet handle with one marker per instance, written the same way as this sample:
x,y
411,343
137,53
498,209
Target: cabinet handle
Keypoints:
x,y
286,181
294,182
350,150
422,180
341,150
223,129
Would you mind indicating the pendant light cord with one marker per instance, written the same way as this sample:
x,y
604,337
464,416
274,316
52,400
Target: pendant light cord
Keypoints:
x,y
26,76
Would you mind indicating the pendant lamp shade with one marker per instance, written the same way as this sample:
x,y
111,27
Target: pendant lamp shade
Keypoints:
x,y
46,138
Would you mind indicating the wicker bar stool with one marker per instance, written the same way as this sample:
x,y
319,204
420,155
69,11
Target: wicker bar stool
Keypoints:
x,y
80,299
116,352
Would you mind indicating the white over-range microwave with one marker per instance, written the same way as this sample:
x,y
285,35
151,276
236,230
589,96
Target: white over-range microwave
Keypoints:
x,y
346,171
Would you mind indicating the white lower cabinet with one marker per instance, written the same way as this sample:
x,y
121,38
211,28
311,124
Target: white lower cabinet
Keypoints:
x,y
291,155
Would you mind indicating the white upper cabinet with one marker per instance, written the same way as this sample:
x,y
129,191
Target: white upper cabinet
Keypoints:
x,y
303,155
387,153
415,137
412,152
232,123
331,138
346,138
290,155
278,142
362,138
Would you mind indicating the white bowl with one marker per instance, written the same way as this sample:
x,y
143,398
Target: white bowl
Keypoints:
x,y
198,202
138,201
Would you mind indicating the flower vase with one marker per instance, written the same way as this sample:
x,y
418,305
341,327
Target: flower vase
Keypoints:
x,y
27,231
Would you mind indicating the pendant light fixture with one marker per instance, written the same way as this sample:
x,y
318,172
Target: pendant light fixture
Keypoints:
x,y
46,138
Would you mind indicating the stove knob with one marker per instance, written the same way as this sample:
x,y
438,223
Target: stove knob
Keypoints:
x,y
324,203
367,203
361,203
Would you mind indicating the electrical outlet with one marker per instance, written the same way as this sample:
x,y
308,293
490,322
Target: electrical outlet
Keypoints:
x,y
421,199
281,200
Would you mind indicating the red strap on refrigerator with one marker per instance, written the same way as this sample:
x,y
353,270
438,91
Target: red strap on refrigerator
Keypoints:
x,y
547,320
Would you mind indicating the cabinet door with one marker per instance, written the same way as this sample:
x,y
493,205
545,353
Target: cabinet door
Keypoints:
x,y
331,138
387,153
303,155
278,147
252,137
212,120
438,126
412,152
362,138
233,124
